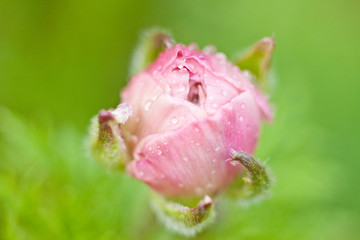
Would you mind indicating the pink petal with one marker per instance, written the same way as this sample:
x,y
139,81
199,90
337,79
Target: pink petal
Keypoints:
x,y
192,160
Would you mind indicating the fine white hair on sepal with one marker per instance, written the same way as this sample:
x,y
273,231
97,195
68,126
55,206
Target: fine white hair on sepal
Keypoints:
x,y
180,226
247,202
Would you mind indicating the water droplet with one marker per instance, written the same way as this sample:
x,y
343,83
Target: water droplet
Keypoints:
x,y
234,163
185,159
246,74
148,105
242,106
159,152
165,142
154,97
150,148
220,57
228,123
135,139
181,89
241,119
201,57
199,190
209,185
174,121
217,149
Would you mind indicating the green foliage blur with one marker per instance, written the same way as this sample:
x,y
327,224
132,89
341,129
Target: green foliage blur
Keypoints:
x,y
63,61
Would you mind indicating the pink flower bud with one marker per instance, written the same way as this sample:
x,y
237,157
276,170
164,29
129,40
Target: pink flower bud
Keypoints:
x,y
191,111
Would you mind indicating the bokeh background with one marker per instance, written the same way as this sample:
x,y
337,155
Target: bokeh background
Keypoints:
x,y
63,61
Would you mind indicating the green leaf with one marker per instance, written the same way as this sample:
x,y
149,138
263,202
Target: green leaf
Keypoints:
x,y
183,219
150,45
257,59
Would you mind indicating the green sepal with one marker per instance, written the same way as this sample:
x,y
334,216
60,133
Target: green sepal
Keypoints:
x,y
254,184
256,60
183,219
105,141
147,50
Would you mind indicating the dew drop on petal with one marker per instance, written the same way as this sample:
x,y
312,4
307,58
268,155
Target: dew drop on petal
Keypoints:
x,y
135,139
181,89
174,121
217,149
199,190
185,159
159,152
234,163
209,185
148,105
201,57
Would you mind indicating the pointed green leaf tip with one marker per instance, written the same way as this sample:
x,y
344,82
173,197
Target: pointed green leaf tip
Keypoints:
x,y
150,45
255,185
182,219
257,59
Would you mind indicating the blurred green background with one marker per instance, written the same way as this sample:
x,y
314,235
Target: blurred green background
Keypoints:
x,y
63,61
